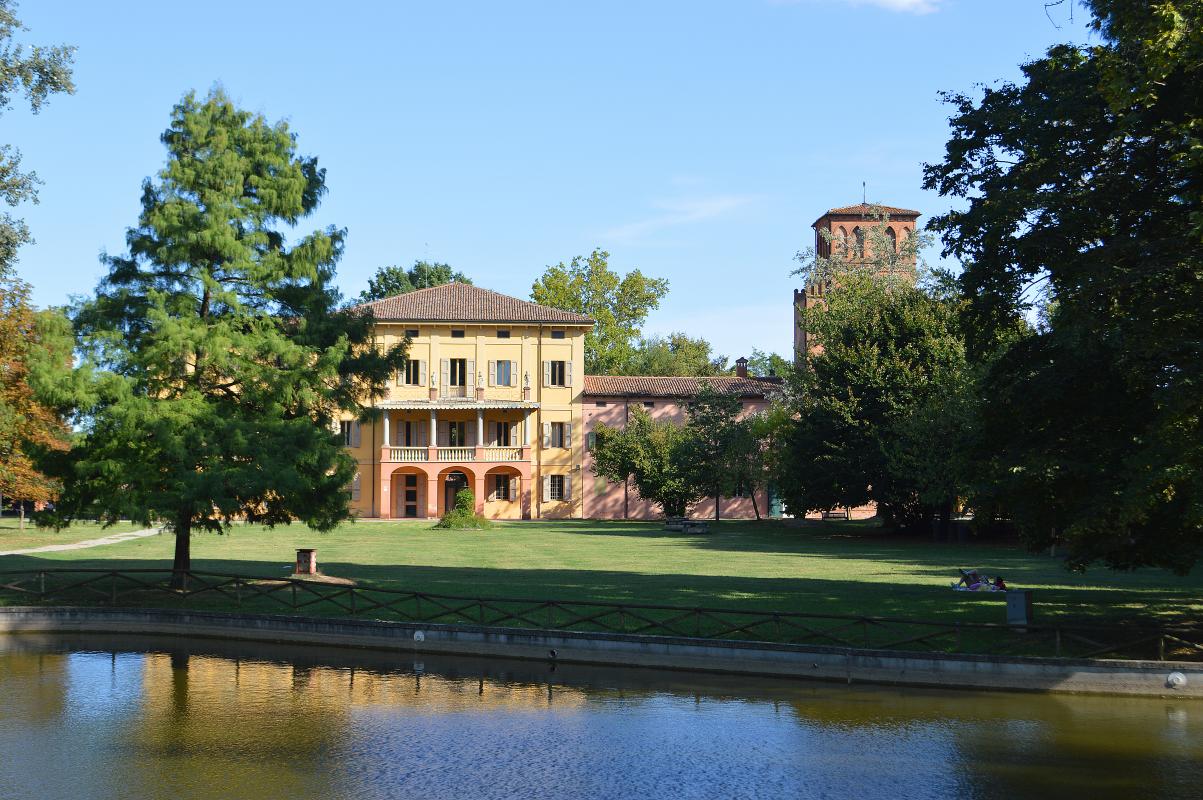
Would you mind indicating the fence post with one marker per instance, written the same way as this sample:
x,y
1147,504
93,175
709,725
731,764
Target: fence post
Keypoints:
x,y
353,607
293,585
114,588
42,585
238,592
1161,647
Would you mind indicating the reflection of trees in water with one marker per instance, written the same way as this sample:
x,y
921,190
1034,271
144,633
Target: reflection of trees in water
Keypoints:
x,y
34,685
1003,746
246,725
234,720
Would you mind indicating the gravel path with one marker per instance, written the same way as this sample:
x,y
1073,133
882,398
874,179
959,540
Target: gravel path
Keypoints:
x,y
85,544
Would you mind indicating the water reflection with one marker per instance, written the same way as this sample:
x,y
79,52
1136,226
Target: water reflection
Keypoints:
x,y
100,717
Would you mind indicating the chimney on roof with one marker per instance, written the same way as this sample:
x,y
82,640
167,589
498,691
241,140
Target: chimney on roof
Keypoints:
x,y
741,367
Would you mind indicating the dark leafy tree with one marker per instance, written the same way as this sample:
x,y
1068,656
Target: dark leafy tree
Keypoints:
x,y
392,281
718,443
655,455
886,350
226,360
1082,188
676,354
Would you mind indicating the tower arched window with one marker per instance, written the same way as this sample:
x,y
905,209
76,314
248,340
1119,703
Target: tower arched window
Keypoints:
x,y
859,235
893,237
842,242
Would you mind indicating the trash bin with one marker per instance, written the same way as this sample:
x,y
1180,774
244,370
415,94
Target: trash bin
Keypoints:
x,y
1019,606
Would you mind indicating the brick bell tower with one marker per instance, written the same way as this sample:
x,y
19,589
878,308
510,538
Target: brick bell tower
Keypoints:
x,y
847,227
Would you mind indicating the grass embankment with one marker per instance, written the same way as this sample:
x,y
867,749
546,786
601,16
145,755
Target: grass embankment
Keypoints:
x,y
12,537
832,568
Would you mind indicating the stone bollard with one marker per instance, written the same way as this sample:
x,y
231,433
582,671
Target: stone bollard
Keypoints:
x,y
306,561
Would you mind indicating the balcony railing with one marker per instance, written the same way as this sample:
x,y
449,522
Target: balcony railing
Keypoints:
x,y
408,454
501,453
416,454
457,453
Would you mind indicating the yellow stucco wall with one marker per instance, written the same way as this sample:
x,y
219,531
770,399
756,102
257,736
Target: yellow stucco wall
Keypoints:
x,y
529,346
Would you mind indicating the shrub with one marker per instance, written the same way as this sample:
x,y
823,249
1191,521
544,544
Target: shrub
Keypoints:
x,y
463,516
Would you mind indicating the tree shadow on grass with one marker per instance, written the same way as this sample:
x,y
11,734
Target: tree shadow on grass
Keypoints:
x,y
782,594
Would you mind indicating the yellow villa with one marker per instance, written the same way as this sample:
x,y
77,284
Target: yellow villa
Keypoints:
x,y
490,400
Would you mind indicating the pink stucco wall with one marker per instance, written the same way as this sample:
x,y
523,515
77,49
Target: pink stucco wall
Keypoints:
x,y
604,500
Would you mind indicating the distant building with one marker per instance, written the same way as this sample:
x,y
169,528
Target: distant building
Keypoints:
x,y
492,399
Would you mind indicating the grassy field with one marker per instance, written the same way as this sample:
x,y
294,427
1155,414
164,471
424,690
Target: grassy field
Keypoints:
x,y
13,538
832,567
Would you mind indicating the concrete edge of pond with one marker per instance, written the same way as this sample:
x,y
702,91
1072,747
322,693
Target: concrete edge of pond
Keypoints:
x,y
1007,673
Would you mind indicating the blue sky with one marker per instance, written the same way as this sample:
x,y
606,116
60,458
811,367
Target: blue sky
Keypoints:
x,y
694,140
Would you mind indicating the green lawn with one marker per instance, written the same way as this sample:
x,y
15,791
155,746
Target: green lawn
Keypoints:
x,y
13,538
833,567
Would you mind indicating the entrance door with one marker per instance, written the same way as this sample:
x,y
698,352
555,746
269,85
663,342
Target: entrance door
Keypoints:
x,y
410,495
455,482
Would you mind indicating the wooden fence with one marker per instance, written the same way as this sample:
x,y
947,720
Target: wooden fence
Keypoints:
x,y
149,588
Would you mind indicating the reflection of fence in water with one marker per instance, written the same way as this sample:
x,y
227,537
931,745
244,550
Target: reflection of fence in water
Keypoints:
x,y
219,591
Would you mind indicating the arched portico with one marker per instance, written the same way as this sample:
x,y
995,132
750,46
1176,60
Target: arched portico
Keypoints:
x,y
505,489
408,488
451,480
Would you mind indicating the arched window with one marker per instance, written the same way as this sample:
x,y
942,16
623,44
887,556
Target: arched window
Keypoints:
x,y
842,242
893,237
860,241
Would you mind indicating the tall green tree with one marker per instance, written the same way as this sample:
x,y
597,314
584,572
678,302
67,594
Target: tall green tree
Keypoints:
x,y
618,303
36,73
226,360
655,455
886,350
394,280
676,354
716,447
1082,190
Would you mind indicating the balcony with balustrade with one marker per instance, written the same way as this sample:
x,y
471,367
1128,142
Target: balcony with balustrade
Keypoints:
x,y
447,431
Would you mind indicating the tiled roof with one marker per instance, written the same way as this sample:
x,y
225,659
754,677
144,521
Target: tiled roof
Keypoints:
x,y
463,302
867,209
649,386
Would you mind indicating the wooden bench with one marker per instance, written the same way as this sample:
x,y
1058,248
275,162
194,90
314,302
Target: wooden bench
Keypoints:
x,y
837,513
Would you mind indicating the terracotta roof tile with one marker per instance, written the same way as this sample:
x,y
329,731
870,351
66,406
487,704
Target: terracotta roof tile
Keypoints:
x,y
463,302
651,386
866,210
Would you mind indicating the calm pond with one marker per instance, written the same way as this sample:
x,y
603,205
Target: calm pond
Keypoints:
x,y
102,717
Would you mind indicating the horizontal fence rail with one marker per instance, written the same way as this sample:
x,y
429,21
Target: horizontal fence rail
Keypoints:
x,y
221,591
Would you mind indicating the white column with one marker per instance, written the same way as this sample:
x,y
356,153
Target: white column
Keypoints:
x,y
480,427
387,440
526,428
434,428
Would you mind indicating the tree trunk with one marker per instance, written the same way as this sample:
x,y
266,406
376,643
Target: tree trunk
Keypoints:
x,y
183,551
716,496
22,525
946,521
755,507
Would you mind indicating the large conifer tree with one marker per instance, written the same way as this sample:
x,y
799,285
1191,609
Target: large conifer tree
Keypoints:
x,y
225,356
